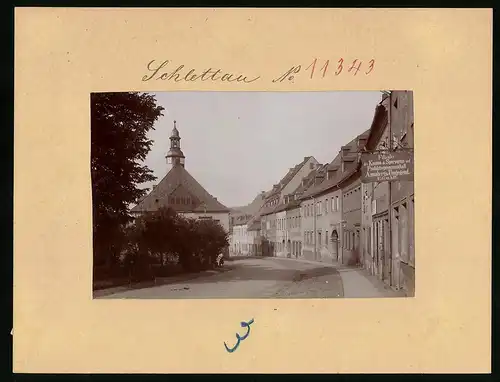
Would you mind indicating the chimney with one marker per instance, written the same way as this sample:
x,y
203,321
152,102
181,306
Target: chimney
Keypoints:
x,y
306,158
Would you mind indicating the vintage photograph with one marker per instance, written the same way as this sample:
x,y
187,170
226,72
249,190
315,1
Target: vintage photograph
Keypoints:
x,y
252,194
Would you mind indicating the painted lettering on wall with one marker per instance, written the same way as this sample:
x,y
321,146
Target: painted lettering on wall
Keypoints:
x,y
387,166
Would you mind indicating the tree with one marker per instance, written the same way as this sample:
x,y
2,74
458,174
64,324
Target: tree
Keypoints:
x,y
119,126
156,234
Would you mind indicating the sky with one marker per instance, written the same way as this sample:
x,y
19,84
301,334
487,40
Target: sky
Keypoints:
x,y
238,144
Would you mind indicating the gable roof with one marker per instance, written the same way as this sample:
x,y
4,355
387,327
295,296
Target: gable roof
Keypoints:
x,y
288,206
348,153
253,206
267,210
178,178
308,181
254,225
288,177
380,120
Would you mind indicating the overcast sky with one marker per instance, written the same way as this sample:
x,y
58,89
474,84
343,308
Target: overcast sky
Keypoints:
x,y
237,144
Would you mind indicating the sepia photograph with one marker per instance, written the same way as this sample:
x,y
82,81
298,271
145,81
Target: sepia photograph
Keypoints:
x,y
207,194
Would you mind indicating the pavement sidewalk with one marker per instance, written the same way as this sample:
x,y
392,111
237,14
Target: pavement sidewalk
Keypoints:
x,y
159,281
356,282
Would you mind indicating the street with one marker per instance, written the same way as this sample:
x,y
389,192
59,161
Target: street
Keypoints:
x,y
265,278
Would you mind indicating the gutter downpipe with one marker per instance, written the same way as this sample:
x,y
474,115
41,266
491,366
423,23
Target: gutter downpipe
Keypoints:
x,y
341,225
314,226
390,195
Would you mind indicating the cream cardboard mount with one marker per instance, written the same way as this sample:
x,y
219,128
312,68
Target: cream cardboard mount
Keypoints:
x,y
62,55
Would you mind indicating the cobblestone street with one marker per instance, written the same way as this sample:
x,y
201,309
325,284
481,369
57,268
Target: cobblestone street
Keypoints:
x,y
264,278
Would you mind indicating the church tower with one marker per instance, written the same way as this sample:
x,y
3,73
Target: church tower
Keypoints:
x,y
175,156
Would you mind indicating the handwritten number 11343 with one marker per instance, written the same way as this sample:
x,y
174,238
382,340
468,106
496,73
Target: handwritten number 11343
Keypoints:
x,y
323,68
354,67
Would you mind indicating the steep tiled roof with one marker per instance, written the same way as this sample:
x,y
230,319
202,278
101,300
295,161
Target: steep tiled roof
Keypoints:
x,y
178,178
314,184
379,123
254,225
288,206
242,219
349,153
289,176
307,182
267,210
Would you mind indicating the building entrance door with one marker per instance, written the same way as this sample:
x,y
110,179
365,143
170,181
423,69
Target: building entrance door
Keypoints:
x,y
335,245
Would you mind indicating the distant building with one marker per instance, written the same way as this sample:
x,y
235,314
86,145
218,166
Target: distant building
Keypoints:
x,y
273,226
245,241
181,192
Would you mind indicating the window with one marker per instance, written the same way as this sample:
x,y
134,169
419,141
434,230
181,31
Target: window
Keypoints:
x,y
319,238
311,166
332,207
326,238
338,203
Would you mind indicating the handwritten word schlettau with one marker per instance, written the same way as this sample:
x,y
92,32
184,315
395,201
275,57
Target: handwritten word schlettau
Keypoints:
x,y
240,338
180,73
323,69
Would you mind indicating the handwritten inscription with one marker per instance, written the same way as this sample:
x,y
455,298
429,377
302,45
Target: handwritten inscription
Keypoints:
x,y
159,71
166,71
324,68
240,338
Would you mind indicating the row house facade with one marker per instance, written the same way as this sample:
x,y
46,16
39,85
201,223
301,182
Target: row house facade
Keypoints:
x,y
291,214
274,223
330,212
387,235
402,195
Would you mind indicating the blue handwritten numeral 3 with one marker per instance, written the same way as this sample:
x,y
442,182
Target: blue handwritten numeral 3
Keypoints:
x,y
240,338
